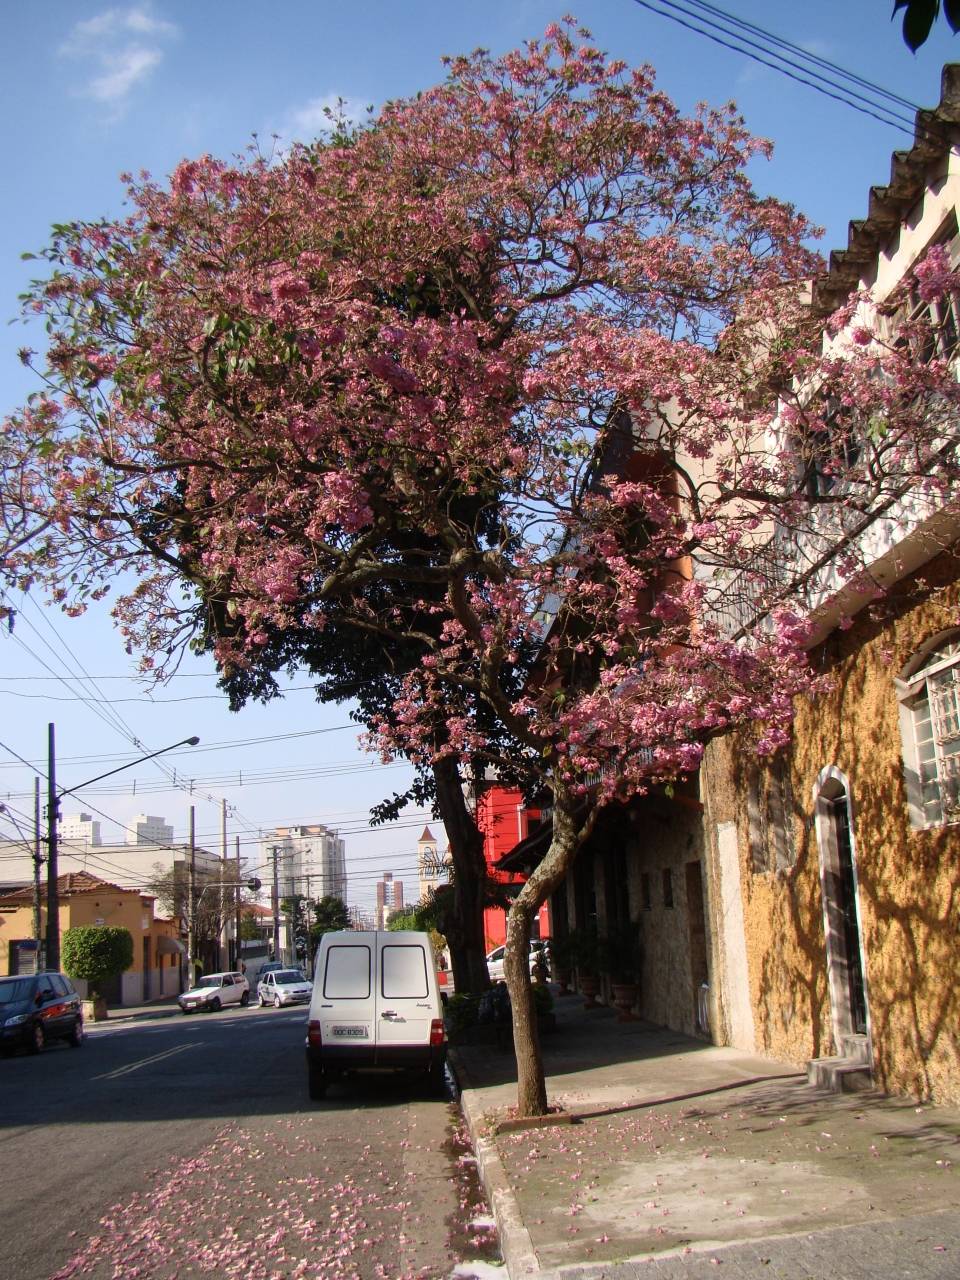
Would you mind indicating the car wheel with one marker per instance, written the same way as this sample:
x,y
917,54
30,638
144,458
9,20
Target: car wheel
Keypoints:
x,y
38,1038
261,1002
277,1002
75,1038
214,1006
438,1080
245,999
316,1083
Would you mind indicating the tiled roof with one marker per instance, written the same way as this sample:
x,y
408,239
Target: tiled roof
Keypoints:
x,y
71,882
935,133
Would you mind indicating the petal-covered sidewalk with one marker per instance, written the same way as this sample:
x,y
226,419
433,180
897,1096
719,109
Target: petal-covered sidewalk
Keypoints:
x,y
676,1154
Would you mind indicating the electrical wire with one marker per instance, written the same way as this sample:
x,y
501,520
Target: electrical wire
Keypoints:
x,y
225,745
848,97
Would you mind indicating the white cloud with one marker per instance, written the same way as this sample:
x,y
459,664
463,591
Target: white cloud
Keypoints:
x,y
119,48
317,117
121,72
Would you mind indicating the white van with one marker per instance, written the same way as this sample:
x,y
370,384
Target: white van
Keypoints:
x,y
375,1003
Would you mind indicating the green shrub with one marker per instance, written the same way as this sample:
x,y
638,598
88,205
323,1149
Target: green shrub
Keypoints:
x,y
96,953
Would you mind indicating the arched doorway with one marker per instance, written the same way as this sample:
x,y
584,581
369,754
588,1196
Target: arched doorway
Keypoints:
x,y
841,911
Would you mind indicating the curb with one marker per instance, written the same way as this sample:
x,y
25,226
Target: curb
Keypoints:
x,y
140,1016
519,1255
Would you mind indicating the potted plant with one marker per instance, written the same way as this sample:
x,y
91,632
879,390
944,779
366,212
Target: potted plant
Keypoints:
x,y
563,960
586,953
96,953
621,958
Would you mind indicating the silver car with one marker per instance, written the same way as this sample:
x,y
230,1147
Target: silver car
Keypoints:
x,y
282,987
539,952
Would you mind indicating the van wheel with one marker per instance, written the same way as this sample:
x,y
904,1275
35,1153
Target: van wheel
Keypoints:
x,y
316,1084
438,1079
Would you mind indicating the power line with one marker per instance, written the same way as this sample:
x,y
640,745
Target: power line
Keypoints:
x,y
805,54
225,745
848,97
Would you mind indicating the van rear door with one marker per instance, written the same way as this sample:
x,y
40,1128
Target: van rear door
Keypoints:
x,y
406,997
346,1004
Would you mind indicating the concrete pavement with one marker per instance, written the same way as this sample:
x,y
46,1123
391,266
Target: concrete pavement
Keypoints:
x,y
669,1157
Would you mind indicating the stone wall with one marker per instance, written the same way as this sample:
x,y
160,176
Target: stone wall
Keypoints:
x,y
908,879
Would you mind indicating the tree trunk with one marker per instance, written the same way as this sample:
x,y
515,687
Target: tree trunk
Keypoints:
x,y
568,835
465,937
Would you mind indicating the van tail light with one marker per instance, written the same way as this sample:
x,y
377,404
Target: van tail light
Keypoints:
x,y
314,1035
436,1031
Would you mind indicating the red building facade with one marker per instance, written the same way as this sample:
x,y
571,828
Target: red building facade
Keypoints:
x,y
505,821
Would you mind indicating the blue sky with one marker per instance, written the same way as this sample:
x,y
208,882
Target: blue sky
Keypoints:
x,y
88,90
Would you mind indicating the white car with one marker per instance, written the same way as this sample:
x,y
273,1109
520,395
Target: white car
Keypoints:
x,y
283,986
215,990
539,949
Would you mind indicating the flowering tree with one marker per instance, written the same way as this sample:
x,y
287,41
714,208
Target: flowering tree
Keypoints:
x,y
523,377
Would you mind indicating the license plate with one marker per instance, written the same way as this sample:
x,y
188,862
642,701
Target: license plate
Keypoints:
x,y
350,1031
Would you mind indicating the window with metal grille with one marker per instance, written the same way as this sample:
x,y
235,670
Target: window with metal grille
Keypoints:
x,y
933,325
770,813
930,699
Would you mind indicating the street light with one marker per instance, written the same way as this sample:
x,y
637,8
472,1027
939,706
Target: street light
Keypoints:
x,y
53,812
187,742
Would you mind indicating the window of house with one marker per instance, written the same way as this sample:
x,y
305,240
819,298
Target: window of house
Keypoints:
x,y
770,811
929,692
668,886
832,450
943,313
646,898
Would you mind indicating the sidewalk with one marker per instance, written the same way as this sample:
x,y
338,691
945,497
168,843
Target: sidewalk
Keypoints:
x,y
676,1158
164,1008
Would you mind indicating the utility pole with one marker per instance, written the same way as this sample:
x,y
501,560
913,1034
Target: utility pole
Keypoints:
x,y
224,914
52,957
236,905
37,864
275,897
191,903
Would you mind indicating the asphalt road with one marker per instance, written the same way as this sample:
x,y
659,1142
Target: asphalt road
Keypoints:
x,y
187,1146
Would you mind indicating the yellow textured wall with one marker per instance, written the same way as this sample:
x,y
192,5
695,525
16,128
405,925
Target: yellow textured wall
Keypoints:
x,y
783,921
909,881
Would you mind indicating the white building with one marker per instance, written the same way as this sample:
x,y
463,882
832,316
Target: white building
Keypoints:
x,y
147,829
311,861
127,865
80,828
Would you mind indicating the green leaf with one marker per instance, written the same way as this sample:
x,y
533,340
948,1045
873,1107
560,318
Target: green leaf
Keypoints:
x,y
917,21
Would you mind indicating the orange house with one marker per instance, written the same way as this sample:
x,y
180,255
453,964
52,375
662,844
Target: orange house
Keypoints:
x,y
87,900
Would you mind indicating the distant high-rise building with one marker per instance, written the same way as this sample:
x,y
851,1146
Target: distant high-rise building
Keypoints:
x,y
80,828
311,861
145,828
389,898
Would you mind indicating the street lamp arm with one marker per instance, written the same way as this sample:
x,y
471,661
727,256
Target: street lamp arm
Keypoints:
x,y
187,742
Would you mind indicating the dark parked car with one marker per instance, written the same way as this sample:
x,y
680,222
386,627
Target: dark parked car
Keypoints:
x,y
38,1007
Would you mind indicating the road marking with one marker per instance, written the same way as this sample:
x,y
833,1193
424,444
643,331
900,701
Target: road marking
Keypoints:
x,y
146,1062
